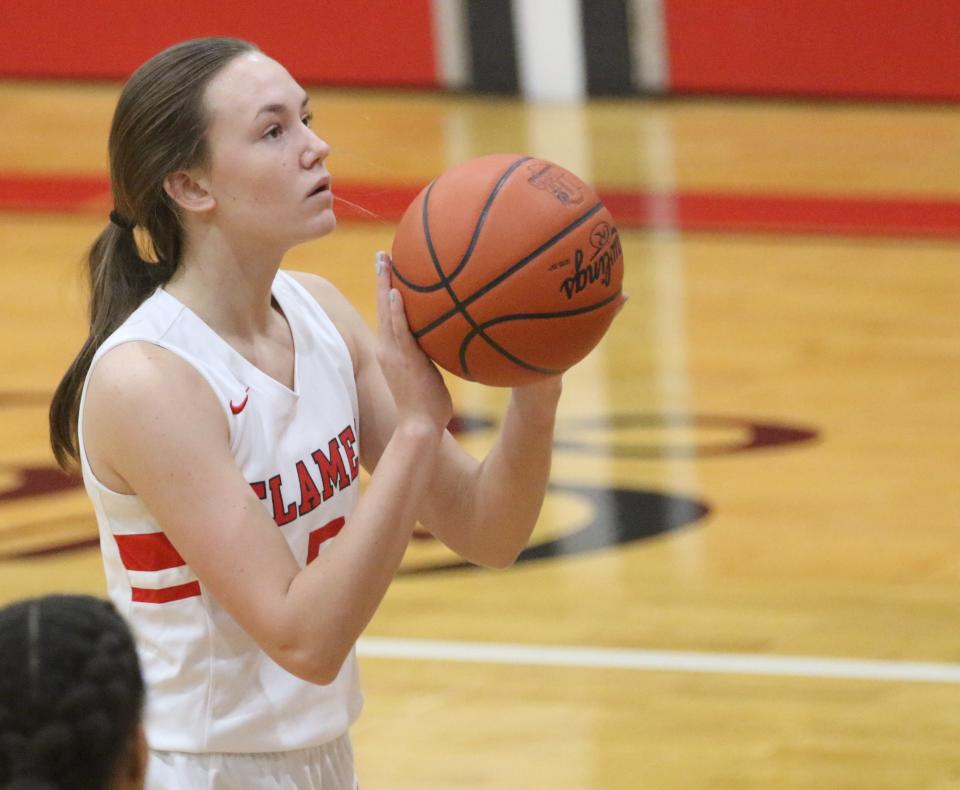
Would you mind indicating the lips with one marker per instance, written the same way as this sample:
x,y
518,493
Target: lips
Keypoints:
x,y
322,186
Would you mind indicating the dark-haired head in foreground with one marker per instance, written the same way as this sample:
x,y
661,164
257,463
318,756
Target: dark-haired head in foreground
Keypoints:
x,y
71,697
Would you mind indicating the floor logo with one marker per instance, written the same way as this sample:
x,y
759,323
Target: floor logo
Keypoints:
x,y
614,516
598,517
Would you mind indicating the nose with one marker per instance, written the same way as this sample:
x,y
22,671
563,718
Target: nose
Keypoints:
x,y
315,151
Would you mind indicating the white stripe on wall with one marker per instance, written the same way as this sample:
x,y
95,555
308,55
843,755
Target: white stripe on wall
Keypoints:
x,y
649,44
451,43
659,660
550,49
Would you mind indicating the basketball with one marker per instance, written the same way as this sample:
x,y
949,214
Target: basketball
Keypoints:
x,y
510,269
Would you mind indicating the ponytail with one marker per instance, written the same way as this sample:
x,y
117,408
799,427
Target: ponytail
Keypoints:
x,y
158,128
119,281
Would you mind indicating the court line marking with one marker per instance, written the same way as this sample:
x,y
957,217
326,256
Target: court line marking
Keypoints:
x,y
659,660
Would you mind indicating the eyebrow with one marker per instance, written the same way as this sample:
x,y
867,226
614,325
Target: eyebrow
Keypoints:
x,y
279,108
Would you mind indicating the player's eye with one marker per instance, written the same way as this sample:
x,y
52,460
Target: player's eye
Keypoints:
x,y
274,131
307,119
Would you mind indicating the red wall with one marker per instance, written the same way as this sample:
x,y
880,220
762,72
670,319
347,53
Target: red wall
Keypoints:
x,y
350,42
857,48
867,48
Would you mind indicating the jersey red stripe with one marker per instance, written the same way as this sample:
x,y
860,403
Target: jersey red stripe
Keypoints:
x,y
166,594
149,551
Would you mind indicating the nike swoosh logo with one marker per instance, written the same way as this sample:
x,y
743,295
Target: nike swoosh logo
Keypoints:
x,y
239,407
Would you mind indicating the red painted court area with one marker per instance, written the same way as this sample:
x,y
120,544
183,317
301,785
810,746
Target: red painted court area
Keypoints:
x,y
705,211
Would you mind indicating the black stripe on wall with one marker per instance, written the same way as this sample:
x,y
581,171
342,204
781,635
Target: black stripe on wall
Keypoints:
x,y
606,44
492,46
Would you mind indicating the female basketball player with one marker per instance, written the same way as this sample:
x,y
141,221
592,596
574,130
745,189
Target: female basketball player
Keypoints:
x,y
71,697
220,409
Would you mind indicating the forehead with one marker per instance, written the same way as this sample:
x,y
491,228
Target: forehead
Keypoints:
x,y
246,84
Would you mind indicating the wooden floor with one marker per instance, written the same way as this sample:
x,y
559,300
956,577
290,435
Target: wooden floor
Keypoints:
x,y
759,464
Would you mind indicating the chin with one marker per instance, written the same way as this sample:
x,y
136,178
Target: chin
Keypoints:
x,y
323,224
330,222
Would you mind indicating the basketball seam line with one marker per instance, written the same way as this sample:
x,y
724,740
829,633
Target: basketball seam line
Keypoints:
x,y
523,317
484,289
458,306
473,239
559,314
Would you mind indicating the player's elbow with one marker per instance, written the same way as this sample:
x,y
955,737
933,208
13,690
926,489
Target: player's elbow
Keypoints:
x,y
323,674
494,551
318,664
499,558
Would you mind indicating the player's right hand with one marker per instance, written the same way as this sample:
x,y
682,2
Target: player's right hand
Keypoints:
x,y
418,388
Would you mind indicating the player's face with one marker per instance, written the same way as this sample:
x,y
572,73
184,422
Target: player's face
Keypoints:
x,y
266,167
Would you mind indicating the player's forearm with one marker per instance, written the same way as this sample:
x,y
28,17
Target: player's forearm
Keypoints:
x,y
512,480
333,599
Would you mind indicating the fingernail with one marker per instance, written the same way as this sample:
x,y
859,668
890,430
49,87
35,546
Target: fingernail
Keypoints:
x,y
393,296
379,265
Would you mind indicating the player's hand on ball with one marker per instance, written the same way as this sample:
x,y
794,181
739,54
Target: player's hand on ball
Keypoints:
x,y
417,386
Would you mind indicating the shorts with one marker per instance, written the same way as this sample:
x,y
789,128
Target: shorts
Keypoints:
x,y
325,767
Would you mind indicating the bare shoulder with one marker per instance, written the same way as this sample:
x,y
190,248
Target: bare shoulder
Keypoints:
x,y
344,315
326,294
142,396
145,373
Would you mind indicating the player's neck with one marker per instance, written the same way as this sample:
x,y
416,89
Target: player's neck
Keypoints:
x,y
228,286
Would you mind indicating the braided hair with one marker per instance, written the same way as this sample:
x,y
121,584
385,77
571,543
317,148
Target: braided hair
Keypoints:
x,y
71,693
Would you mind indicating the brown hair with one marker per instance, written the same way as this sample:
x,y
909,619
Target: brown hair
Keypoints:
x,y
158,128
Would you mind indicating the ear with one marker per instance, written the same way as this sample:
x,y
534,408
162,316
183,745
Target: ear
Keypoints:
x,y
189,191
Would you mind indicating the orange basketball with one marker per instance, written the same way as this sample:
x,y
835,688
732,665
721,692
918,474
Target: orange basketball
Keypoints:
x,y
510,269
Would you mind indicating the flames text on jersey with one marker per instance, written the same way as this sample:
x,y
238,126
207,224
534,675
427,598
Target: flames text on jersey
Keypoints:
x,y
334,468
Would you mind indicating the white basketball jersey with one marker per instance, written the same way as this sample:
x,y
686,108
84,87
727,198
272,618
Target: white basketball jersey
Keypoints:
x,y
210,687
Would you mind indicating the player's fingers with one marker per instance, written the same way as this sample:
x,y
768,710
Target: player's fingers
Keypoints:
x,y
401,330
384,318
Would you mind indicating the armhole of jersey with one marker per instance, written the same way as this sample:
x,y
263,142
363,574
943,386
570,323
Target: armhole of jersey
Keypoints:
x,y
302,293
102,352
